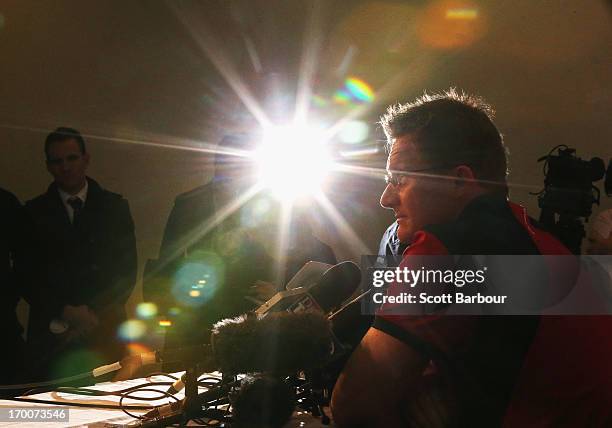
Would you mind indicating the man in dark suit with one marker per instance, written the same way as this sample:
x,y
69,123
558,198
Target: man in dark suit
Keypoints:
x,y
86,260
11,234
225,255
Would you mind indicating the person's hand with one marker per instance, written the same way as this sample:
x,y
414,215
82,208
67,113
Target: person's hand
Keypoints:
x,y
81,318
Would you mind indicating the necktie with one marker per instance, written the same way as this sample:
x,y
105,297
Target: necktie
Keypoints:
x,y
77,205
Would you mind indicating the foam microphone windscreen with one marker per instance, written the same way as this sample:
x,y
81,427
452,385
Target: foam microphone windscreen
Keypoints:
x,y
279,343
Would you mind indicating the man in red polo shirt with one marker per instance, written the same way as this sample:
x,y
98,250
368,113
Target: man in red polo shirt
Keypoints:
x,y
447,187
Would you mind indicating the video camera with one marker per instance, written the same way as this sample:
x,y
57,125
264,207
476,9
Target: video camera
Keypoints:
x,y
569,193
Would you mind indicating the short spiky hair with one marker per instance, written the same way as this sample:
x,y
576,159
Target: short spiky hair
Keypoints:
x,y
451,129
62,134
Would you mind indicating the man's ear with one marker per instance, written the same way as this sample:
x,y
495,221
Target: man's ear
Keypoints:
x,y
86,158
463,175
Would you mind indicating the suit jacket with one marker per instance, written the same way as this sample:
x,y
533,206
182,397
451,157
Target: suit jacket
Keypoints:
x,y
11,234
12,231
186,223
90,263
242,260
189,239
191,215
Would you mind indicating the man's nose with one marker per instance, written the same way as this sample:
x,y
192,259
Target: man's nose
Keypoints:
x,y
389,197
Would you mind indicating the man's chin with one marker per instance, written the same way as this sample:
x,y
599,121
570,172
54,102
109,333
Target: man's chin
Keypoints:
x,y
70,185
404,234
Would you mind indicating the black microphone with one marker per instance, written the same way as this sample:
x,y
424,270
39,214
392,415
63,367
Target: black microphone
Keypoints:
x,y
280,342
335,286
349,326
349,323
263,401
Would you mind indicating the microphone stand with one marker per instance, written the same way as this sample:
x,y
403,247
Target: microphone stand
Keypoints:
x,y
318,395
191,406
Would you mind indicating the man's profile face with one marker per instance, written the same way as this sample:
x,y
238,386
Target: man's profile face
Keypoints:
x,y
417,200
67,165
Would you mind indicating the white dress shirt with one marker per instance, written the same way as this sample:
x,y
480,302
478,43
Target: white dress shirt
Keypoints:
x,y
82,195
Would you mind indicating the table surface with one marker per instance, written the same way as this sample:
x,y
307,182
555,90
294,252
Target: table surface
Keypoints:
x,y
97,417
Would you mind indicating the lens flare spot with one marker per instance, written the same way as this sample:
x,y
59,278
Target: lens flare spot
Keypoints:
x,y
360,90
342,97
461,13
319,101
146,310
137,348
187,287
354,132
451,24
131,330
165,323
174,311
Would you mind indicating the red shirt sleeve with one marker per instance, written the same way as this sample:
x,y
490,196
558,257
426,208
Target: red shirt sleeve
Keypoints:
x,y
428,334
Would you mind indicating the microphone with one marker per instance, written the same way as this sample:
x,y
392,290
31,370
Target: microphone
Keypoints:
x,y
349,324
282,341
172,413
262,401
308,275
335,286
279,343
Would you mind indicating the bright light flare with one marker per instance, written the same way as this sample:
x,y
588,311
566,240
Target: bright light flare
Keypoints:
x,y
462,13
146,310
293,161
131,330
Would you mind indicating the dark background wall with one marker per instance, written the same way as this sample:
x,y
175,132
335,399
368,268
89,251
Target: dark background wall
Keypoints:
x,y
137,72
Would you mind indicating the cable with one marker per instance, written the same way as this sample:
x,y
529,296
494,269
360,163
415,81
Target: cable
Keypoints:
x,y
161,374
88,405
97,372
48,382
123,393
98,392
165,395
